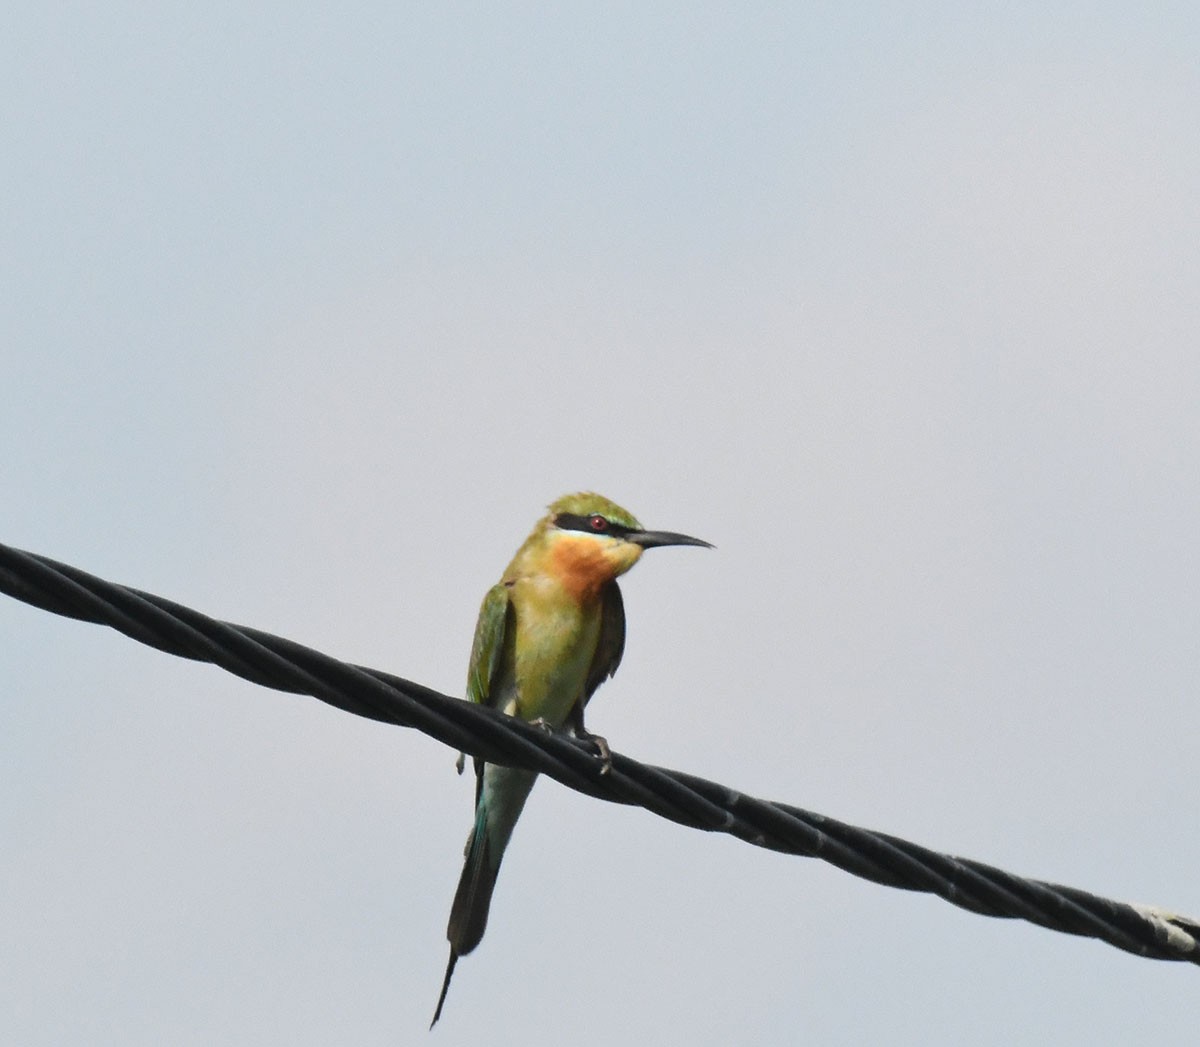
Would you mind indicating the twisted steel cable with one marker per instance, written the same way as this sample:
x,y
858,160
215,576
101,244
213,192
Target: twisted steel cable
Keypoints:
x,y
284,665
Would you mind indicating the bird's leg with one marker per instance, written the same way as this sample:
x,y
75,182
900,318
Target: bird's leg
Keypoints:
x,y
575,725
602,749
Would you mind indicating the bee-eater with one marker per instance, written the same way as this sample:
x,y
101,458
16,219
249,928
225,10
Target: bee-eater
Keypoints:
x,y
549,633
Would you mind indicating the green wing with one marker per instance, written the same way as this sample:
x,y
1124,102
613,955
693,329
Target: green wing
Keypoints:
x,y
611,644
488,647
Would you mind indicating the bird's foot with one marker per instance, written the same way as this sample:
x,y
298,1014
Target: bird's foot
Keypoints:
x,y
460,763
602,749
600,743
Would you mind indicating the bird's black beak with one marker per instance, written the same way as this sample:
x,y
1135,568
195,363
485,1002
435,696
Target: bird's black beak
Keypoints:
x,y
651,539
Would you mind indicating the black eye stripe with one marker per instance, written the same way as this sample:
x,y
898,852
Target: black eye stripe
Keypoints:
x,y
574,522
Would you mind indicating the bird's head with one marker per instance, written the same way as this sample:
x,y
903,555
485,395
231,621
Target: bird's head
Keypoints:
x,y
591,540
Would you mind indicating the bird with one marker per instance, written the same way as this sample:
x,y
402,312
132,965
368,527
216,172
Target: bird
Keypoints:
x,y
549,633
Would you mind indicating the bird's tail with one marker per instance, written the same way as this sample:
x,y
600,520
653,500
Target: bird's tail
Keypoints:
x,y
501,799
473,899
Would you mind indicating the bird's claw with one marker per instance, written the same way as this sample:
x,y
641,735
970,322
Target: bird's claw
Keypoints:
x,y
600,742
460,763
602,749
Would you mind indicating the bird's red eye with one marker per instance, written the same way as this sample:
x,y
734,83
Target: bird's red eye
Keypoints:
x,y
598,523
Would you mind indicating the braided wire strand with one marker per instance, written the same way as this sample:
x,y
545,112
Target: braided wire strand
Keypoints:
x,y
285,665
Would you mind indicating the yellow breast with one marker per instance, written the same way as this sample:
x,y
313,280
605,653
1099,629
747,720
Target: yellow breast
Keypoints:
x,y
556,637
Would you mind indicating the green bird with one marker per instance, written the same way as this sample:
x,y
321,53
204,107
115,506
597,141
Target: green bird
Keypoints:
x,y
549,633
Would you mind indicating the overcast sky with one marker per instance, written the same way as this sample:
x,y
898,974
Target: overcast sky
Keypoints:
x,y
305,315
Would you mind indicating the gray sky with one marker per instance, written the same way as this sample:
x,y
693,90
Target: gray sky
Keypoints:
x,y
307,314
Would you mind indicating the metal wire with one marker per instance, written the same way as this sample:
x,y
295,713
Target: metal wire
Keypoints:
x,y
287,666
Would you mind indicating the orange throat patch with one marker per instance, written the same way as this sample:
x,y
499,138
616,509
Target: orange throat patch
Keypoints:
x,y
584,566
